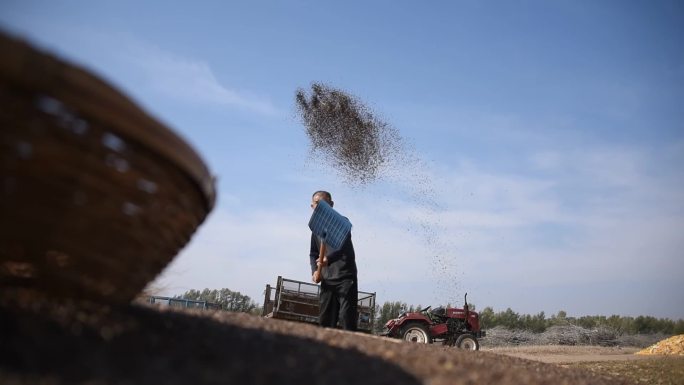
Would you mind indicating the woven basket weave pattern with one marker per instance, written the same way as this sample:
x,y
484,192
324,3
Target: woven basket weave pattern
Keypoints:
x,y
88,209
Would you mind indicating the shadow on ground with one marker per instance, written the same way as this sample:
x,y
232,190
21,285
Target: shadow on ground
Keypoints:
x,y
70,343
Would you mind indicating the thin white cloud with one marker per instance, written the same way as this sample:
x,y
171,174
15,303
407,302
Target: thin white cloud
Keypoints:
x,y
141,67
189,79
242,252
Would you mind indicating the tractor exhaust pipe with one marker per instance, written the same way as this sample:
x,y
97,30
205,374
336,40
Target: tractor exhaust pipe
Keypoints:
x,y
465,306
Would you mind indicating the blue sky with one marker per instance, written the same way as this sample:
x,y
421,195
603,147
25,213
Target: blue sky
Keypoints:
x,y
547,137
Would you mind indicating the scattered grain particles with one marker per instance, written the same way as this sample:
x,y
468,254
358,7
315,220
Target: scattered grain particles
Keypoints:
x,y
347,133
353,141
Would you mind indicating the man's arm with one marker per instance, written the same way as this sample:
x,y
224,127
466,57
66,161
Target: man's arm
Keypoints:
x,y
313,253
347,249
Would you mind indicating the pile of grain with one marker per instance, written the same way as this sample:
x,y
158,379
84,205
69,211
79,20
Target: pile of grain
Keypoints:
x,y
78,342
671,346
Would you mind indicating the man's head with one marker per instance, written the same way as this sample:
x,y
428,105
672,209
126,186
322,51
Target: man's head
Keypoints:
x,y
321,195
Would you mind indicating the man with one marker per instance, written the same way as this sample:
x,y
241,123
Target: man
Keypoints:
x,y
339,287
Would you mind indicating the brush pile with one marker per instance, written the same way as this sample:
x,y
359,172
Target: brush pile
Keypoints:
x,y
501,336
576,335
567,335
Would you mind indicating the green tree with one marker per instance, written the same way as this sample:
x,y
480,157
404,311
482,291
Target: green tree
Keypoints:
x,y
386,312
487,317
227,299
509,319
536,323
678,327
560,318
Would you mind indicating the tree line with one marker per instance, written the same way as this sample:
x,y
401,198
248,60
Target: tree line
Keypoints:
x,y
539,322
226,299
236,302
621,324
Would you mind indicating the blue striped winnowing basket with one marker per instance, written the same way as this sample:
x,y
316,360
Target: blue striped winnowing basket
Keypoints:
x,y
329,225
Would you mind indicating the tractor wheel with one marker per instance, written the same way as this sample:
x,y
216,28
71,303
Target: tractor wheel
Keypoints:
x,y
467,342
416,332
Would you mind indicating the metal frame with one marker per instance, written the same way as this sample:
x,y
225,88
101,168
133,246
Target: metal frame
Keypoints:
x,y
292,288
187,303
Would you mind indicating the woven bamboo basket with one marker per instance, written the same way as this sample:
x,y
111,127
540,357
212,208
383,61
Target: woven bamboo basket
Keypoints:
x,y
96,197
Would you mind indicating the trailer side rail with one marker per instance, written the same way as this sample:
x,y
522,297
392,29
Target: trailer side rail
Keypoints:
x,y
296,300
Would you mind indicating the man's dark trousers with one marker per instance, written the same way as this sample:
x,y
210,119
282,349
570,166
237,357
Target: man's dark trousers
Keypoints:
x,y
339,302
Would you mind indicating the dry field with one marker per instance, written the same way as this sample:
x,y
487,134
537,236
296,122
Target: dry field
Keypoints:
x,y
612,362
557,354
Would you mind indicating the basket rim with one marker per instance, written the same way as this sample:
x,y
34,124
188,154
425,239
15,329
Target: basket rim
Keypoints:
x,y
28,67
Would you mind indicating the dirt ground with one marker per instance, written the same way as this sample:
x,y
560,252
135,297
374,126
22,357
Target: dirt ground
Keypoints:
x,y
613,362
570,354
75,342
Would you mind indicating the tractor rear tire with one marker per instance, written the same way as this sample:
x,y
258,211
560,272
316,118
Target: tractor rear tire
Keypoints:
x,y
416,332
467,342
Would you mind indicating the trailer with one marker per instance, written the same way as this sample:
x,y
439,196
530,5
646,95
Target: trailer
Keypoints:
x,y
298,301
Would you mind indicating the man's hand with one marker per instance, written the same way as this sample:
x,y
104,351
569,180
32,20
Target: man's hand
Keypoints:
x,y
323,263
320,263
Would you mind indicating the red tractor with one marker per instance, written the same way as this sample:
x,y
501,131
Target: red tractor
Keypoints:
x,y
451,326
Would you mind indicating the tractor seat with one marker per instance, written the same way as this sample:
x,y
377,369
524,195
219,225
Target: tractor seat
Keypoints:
x,y
440,311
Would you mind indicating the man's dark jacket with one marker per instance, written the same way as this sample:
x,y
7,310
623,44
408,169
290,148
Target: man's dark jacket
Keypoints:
x,y
341,263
